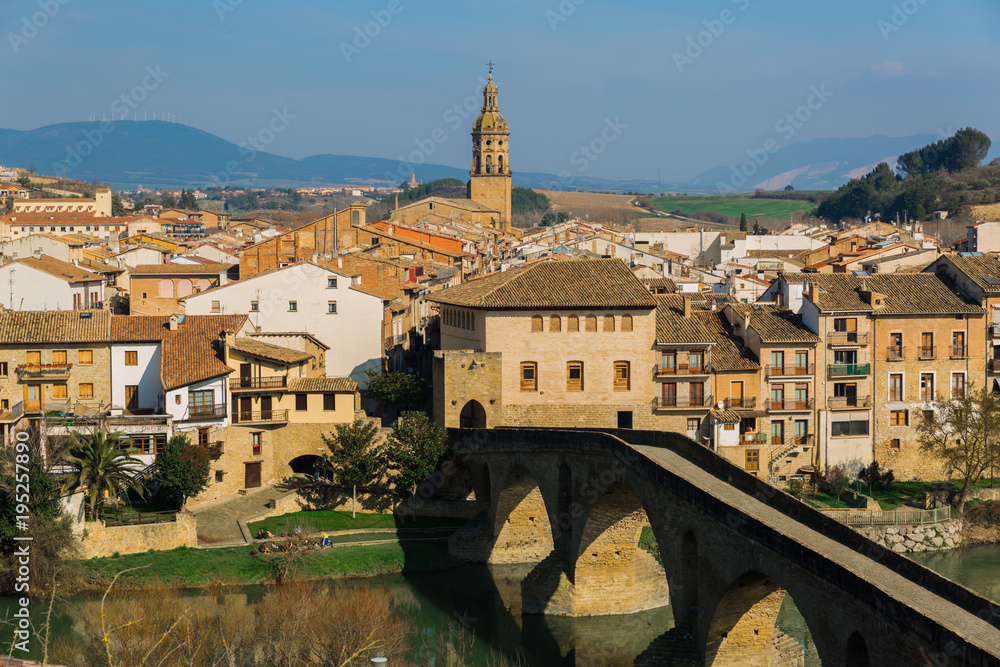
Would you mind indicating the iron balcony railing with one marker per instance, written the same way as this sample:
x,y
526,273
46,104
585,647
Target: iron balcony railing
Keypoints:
x,y
740,403
44,371
215,449
199,412
260,417
959,352
789,405
785,371
753,438
245,384
846,338
894,353
926,352
846,370
846,402
671,402
683,369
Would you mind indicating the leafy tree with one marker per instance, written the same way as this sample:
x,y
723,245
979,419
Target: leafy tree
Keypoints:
x,y
743,222
526,199
168,201
24,181
413,449
396,388
789,188
188,201
795,488
102,469
876,477
966,148
117,207
758,230
182,471
837,481
354,457
8,205
964,433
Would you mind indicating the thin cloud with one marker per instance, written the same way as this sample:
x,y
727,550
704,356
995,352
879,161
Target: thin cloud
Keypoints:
x,y
889,69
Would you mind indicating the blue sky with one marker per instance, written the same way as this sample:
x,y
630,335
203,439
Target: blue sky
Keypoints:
x,y
690,85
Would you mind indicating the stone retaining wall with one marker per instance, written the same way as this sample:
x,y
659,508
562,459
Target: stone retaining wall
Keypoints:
x,y
98,540
915,539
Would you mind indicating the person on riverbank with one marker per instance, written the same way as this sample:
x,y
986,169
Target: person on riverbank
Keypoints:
x,y
326,540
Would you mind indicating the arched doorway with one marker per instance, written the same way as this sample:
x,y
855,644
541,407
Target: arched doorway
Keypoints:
x,y
473,415
857,651
308,464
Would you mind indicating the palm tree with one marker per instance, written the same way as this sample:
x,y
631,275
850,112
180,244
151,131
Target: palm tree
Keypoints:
x,y
102,469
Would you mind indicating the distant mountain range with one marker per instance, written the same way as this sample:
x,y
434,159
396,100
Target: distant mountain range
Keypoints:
x,y
162,154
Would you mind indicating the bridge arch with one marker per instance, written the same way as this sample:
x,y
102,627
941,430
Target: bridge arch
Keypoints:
x,y
857,651
521,529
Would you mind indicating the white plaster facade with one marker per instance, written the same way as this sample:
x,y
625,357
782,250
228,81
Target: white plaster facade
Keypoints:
x,y
27,288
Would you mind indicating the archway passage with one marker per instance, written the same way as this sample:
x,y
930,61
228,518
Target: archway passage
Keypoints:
x,y
308,464
473,415
521,529
857,651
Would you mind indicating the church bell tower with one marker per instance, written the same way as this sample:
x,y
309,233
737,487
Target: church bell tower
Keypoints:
x,y
490,175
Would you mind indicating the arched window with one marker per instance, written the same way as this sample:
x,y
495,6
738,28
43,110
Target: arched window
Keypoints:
x,y
479,164
536,323
572,323
555,323
626,322
489,164
591,322
500,164
609,322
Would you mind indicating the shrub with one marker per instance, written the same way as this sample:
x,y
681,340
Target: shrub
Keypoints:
x,y
984,514
795,488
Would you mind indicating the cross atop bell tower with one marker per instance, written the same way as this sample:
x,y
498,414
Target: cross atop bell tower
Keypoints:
x,y
490,176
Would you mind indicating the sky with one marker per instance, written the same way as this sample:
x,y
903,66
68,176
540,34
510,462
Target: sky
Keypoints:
x,y
623,90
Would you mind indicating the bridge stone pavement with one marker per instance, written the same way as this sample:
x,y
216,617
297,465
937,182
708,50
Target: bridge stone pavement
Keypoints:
x,y
574,503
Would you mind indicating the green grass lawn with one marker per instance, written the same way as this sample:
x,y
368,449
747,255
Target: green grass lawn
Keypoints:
x,y
896,495
193,568
317,520
733,205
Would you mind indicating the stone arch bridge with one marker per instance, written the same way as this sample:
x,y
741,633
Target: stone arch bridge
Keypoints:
x,y
732,547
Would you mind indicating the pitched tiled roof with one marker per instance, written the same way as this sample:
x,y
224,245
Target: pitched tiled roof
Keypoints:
x,y
187,355
277,353
672,328
59,269
590,283
55,326
775,324
200,269
728,354
978,268
321,385
905,294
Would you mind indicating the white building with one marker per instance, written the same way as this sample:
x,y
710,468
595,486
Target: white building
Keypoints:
x,y
334,307
46,283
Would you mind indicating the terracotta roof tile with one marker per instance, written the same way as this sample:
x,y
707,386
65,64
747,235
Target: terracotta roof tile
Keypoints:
x,y
59,269
159,269
322,385
728,354
672,328
277,353
978,268
905,294
591,283
775,324
55,326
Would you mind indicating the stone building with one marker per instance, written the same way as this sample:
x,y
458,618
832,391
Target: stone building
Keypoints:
x,y
154,289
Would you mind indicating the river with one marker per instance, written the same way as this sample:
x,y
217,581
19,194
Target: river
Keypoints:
x,y
483,602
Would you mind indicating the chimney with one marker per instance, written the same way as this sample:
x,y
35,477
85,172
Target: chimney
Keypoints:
x,y
340,262
687,307
814,293
224,343
173,323
397,203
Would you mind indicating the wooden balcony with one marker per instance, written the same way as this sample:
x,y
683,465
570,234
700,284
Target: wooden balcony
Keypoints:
x,y
681,402
277,383
30,372
789,371
261,417
848,402
215,449
846,339
789,405
682,369
205,412
740,403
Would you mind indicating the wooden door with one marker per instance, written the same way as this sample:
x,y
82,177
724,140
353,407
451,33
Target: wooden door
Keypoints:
x,y
251,478
753,460
245,375
265,408
246,409
131,397
32,397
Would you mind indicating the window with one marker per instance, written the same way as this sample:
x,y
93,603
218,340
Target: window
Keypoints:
x,y
848,327
845,357
555,323
777,396
801,361
536,323
926,386
329,402
58,391
84,357
86,390
3,369
729,427
4,404
529,376
609,322
216,307
572,323
899,418
696,361
256,440
591,322
626,322
331,283
958,344
254,306
958,385
131,358
301,402
331,307
203,437
144,295
896,387
59,357
621,376
668,363
293,306
927,345
849,428
201,403
694,424
894,443
574,376
697,394
777,362
218,475
801,396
